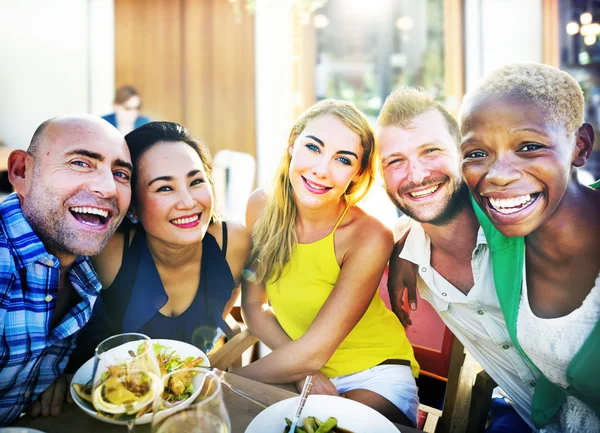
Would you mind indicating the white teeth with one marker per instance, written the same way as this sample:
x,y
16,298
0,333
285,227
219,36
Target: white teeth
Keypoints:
x,y
179,221
425,191
312,185
511,205
88,223
90,210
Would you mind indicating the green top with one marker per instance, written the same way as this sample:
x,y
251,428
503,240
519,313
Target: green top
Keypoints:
x,y
583,372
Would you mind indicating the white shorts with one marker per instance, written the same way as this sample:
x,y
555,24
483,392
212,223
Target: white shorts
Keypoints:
x,y
394,382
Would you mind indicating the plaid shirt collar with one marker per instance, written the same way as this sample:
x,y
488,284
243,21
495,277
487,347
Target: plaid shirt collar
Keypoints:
x,y
22,240
28,248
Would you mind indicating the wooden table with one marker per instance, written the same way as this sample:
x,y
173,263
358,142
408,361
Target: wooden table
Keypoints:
x,y
241,411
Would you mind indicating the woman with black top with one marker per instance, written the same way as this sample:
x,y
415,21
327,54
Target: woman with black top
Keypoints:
x,y
172,270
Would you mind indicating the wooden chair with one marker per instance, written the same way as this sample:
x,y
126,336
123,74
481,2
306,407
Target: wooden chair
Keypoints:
x,y
230,354
234,175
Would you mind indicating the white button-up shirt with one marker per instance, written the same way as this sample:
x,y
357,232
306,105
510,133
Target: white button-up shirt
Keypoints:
x,y
475,318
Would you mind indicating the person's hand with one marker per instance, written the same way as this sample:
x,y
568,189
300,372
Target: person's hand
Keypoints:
x,y
50,401
402,276
321,385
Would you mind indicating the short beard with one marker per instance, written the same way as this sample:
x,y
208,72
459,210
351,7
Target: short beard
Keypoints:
x,y
56,239
456,203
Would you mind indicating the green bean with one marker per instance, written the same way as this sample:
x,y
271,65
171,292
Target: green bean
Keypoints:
x,y
327,426
309,424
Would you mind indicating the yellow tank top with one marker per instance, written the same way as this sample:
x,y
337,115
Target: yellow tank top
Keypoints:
x,y
307,280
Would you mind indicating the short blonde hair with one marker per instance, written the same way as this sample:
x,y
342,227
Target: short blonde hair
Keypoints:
x,y
553,91
405,103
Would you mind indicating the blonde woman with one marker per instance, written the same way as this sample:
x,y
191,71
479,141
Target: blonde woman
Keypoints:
x,y
317,259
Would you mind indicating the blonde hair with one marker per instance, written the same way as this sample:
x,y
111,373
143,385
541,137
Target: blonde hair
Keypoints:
x,y
274,234
405,103
553,91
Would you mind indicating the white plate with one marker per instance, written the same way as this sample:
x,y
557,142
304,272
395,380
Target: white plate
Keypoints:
x,y
350,414
84,374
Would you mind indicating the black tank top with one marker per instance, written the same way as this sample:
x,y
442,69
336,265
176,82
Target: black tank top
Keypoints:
x,y
135,297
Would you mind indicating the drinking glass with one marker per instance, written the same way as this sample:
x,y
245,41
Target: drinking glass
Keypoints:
x,y
191,401
126,377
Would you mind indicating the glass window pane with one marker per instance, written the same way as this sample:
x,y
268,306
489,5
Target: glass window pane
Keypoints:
x,y
580,57
367,48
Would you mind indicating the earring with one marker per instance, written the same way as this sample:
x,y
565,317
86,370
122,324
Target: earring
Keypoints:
x,y
132,217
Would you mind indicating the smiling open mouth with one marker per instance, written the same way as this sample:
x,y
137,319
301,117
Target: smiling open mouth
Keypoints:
x,y
511,205
424,192
186,220
315,187
90,216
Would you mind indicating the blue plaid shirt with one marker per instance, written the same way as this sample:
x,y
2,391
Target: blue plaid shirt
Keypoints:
x,y
32,355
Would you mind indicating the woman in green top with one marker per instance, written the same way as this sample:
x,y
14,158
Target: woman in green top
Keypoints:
x,y
523,138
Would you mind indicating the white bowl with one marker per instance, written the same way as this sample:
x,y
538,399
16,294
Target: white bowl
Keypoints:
x,y
350,414
84,375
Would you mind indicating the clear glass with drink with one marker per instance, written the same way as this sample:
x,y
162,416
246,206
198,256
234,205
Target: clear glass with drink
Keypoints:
x,y
191,401
126,378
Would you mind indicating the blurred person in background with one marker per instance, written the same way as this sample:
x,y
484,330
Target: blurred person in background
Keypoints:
x,y
317,258
127,106
173,269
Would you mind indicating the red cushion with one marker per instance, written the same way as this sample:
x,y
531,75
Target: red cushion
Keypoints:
x,y
431,339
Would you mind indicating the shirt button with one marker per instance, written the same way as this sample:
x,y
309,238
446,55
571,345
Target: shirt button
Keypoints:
x,y
444,294
49,298
49,262
506,347
423,269
480,312
27,394
532,384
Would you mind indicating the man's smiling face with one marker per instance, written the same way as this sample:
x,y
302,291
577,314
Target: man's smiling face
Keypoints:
x,y
421,168
78,185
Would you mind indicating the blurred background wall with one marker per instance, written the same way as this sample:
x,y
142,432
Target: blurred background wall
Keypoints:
x,y
193,63
56,57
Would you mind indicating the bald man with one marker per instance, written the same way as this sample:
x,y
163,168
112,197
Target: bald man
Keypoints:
x,y
72,189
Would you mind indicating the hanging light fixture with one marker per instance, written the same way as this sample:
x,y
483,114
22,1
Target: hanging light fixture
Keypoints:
x,y
585,18
320,21
586,27
572,28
